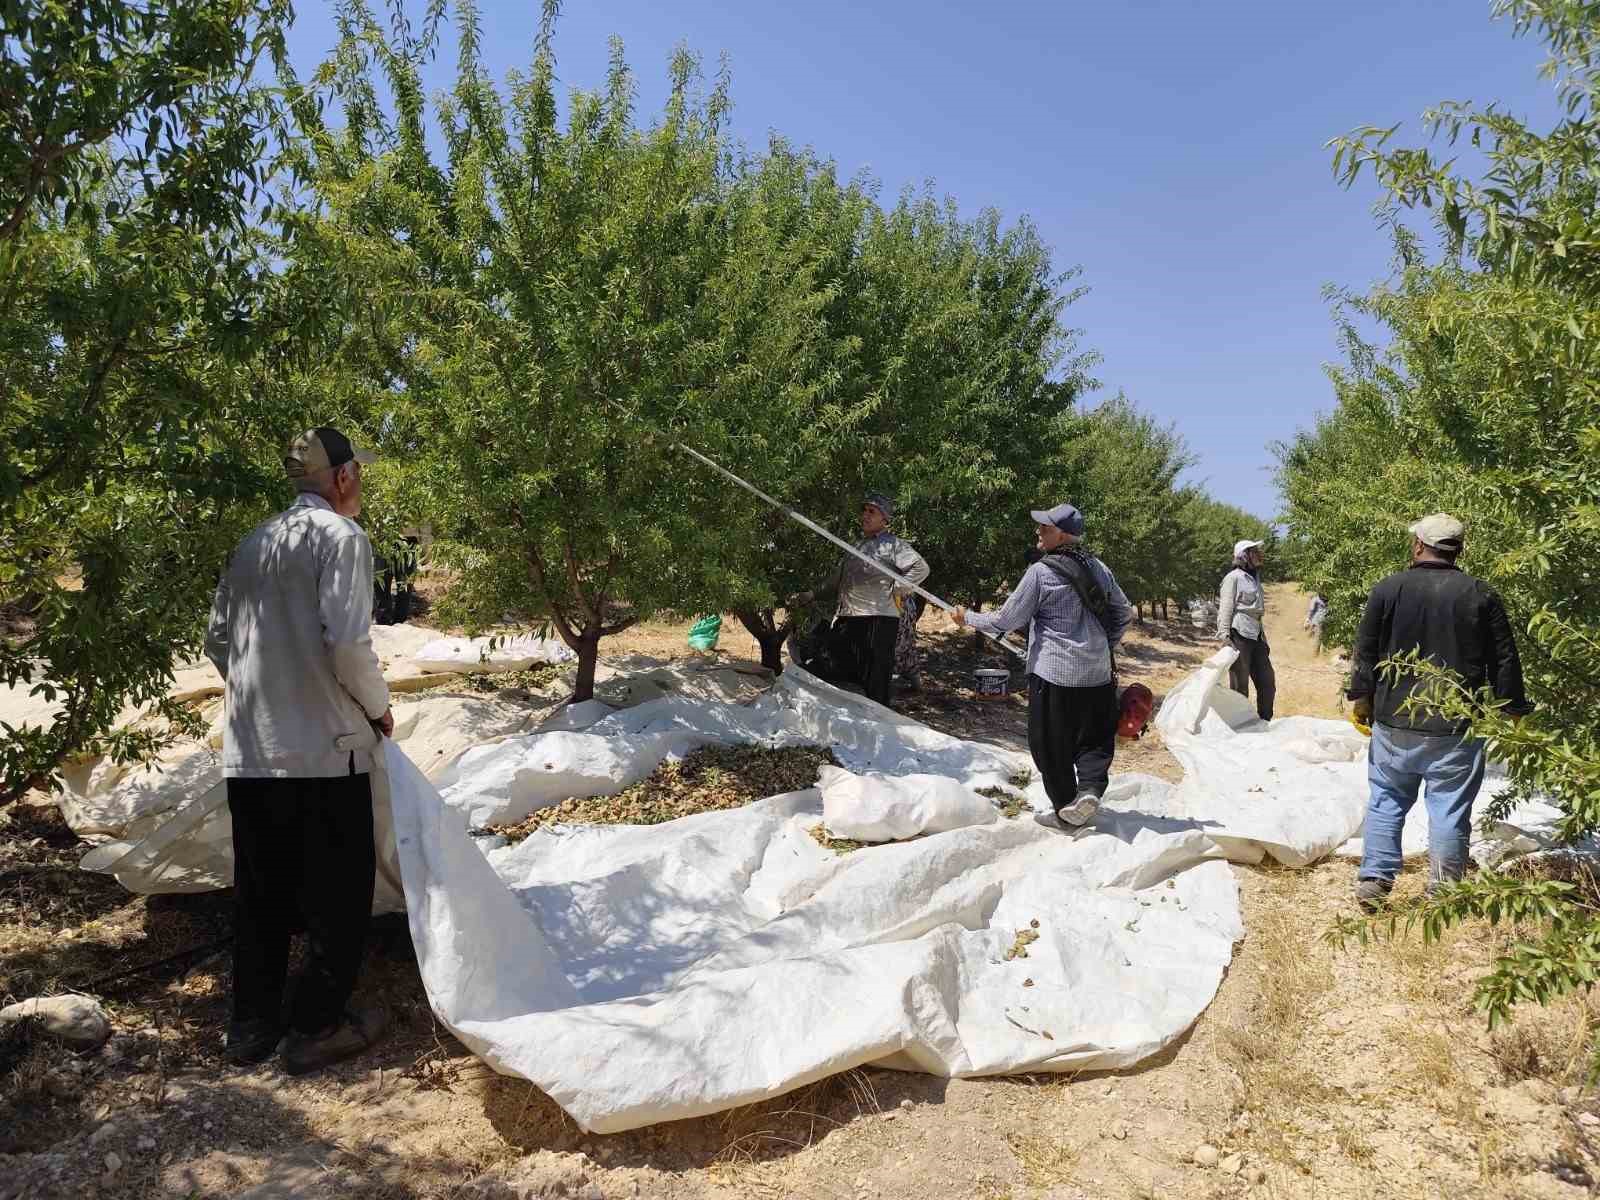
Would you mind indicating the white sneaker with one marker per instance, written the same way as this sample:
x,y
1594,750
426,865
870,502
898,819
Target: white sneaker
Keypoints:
x,y
1081,811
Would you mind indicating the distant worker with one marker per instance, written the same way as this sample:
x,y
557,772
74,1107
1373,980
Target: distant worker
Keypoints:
x,y
1241,611
1317,613
1075,615
867,624
1438,611
306,702
1316,617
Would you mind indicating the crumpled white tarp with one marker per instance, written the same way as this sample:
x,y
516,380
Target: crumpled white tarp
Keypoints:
x,y
888,808
1296,789
649,974
641,974
483,654
164,825
169,823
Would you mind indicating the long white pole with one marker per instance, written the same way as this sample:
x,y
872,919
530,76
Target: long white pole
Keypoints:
x,y
839,542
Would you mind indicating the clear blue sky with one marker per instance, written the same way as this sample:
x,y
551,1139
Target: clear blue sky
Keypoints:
x,y
1171,149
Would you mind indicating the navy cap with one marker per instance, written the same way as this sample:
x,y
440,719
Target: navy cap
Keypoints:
x,y
880,502
1063,516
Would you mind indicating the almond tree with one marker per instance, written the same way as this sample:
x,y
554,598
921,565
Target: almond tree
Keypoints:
x,y
1484,404
142,331
553,303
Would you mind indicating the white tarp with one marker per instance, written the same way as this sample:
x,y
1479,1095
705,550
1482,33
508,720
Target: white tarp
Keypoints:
x,y
641,974
169,824
889,808
648,974
1297,789
485,654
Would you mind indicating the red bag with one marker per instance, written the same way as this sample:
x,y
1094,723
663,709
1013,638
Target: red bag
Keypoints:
x,y
1134,707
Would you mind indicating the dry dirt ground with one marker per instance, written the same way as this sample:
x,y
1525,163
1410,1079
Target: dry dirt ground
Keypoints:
x,y
1315,1073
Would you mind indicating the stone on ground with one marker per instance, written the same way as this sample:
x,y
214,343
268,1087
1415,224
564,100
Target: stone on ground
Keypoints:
x,y
77,1020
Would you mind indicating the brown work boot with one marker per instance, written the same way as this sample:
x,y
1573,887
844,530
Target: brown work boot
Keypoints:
x,y
356,1032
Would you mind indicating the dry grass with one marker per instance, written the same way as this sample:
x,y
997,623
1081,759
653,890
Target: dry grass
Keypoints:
x,y
1555,1043
709,780
1353,1143
753,1135
1276,1087
27,1056
1045,1162
1433,1060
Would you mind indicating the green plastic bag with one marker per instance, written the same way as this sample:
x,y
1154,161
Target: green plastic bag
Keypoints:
x,y
703,633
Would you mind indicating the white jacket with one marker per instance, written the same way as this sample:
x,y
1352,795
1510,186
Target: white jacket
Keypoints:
x,y
1241,605
291,633
864,592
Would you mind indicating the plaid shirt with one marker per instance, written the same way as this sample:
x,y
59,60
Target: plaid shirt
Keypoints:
x,y
1066,645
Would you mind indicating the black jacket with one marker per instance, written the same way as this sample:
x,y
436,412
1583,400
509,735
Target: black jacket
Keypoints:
x,y
1456,621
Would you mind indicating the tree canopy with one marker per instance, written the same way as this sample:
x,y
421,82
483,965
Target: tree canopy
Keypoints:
x,y
526,297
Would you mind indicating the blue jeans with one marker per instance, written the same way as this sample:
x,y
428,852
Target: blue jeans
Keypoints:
x,y
1399,762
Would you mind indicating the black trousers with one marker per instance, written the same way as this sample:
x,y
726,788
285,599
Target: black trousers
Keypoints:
x,y
1072,732
302,858
1254,665
862,649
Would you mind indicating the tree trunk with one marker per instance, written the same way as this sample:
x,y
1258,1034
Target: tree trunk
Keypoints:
x,y
766,630
588,649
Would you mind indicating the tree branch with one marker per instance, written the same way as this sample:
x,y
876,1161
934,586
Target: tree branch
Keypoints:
x,y
618,626
557,615
576,581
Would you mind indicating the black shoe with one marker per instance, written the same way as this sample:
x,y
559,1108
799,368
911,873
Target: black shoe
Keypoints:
x,y
252,1042
1372,894
355,1034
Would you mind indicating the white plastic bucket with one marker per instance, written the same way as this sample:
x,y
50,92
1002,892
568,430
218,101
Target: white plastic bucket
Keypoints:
x,y
991,683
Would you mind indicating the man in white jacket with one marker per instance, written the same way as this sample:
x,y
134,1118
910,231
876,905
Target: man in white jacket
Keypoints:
x,y
1241,609
867,623
306,709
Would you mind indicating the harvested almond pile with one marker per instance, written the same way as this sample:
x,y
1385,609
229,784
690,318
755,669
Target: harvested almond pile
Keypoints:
x,y
839,845
1011,806
709,780
1025,938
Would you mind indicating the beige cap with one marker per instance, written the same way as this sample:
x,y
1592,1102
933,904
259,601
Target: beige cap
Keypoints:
x,y
322,449
1441,531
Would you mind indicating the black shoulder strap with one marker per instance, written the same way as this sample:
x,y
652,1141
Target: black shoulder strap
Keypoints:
x,y
1075,571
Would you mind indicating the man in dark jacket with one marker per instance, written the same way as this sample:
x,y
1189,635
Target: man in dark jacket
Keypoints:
x,y
1453,621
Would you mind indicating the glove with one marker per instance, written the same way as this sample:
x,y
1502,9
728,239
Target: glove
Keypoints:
x,y
1361,715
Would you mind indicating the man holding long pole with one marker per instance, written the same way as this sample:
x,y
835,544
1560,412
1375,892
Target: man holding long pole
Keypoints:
x,y
868,620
